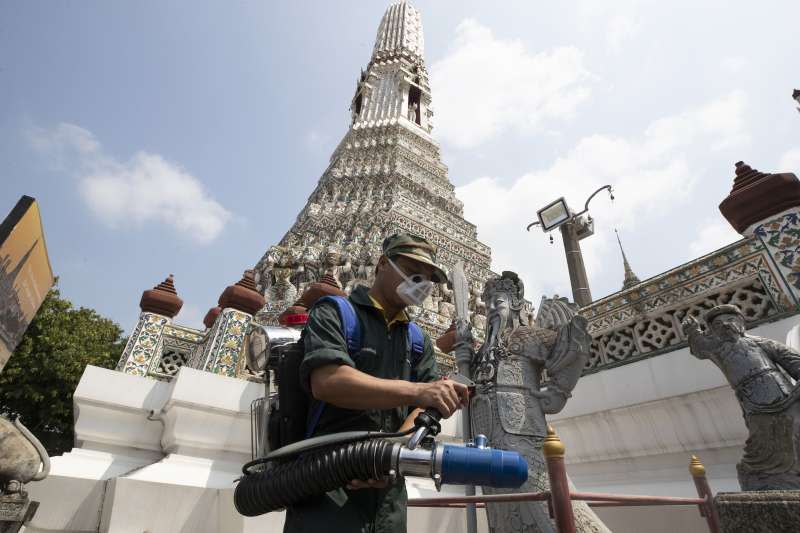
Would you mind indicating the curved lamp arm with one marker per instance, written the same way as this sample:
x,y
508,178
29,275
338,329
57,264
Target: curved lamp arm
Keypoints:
x,y
585,207
532,224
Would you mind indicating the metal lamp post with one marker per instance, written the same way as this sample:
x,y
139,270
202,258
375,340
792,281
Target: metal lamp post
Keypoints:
x,y
574,228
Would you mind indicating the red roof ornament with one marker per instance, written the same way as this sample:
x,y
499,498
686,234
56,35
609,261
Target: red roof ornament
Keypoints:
x,y
243,296
757,196
162,299
211,316
326,286
296,315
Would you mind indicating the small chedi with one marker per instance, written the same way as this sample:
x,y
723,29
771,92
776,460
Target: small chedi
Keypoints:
x,y
512,396
758,370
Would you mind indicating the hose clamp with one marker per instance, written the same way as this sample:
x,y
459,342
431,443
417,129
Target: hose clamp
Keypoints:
x,y
438,457
395,469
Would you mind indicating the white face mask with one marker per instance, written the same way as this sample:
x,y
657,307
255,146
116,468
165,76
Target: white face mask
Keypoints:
x,y
415,289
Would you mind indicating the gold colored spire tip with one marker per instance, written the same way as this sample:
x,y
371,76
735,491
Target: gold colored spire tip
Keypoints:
x,y
553,447
696,468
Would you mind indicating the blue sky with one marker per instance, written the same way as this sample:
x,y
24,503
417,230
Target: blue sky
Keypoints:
x,y
184,137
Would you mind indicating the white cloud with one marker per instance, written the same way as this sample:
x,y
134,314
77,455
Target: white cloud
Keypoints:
x,y
64,143
651,173
486,85
714,234
722,121
147,189
620,20
790,161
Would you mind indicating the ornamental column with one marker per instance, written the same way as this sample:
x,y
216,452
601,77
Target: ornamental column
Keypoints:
x,y
225,340
766,207
159,306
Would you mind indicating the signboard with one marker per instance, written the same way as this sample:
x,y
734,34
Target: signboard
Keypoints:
x,y
25,273
553,214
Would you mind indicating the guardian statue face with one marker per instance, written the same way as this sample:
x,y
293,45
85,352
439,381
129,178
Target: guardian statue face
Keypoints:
x,y
498,310
728,327
333,256
282,275
503,296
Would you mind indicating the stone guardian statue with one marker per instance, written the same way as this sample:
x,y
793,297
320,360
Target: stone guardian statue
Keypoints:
x,y
513,396
22,459
763,374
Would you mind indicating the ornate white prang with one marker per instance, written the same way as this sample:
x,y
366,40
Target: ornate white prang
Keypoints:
x,y
385,176
400,32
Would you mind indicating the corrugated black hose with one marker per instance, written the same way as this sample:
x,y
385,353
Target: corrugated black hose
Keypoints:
x,y
312,474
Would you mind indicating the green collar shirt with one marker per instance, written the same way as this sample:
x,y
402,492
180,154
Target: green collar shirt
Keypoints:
x,y
384,354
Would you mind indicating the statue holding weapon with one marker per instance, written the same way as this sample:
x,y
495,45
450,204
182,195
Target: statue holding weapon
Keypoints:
x,y
523,371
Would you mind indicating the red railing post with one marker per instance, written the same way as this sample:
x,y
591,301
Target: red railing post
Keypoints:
x,y
559,486
707,510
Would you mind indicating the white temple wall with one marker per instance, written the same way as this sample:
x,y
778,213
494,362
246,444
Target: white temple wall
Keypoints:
x,y
162,457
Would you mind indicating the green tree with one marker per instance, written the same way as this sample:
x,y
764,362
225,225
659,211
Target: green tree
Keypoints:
x,y
43,372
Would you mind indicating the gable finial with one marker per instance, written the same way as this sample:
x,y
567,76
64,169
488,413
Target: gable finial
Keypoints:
x,y
631,278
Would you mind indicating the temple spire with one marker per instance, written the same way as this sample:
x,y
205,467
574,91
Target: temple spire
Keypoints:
x,y
630,277
399,33
394,88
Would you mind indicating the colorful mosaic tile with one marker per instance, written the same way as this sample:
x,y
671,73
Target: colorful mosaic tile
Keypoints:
x,y
226,342
143,345
184,333
781,237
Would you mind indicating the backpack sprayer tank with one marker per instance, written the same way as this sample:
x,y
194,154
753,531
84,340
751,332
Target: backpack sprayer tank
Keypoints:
x,y
306,468
264,340
267,351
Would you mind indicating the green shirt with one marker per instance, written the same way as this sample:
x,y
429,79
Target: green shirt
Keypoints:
x,y
384,354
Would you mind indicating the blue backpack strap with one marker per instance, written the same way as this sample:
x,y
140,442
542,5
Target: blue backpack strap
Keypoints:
x,y
351,329
415,345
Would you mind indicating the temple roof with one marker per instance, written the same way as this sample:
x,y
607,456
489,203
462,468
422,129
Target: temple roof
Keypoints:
x,y
400,31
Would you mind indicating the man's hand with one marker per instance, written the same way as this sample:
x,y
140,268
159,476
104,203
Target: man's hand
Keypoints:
x,y
446,396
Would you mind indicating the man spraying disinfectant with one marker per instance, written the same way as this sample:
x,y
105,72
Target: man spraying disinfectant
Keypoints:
x,y
370,374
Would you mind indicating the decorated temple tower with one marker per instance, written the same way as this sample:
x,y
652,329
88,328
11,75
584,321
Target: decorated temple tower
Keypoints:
x,y
385,176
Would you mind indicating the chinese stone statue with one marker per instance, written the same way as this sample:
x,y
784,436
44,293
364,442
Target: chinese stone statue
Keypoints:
x,y
282,289
513,396
22,459
762,373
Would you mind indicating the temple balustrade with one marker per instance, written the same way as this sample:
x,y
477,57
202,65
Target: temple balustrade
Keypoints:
x,y
644,320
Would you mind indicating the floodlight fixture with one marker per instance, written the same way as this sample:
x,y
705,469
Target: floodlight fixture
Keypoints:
x,y
553,214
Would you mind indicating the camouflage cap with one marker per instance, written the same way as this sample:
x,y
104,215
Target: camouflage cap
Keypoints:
x,y
416,248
